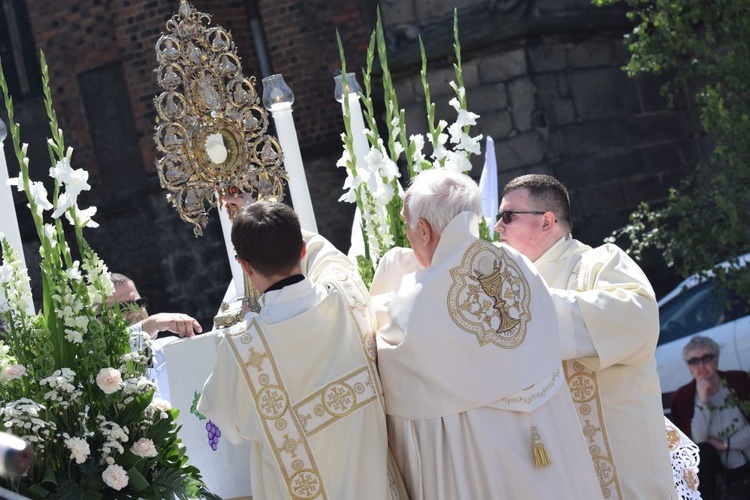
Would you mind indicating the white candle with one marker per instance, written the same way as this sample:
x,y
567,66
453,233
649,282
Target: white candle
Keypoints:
x,y
238,277
282,117
8,220
357,124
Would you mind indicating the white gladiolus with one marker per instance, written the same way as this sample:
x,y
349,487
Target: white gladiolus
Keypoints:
x,y
39,194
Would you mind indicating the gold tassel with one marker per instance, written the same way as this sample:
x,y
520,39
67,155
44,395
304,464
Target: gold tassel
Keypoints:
x,y
541,459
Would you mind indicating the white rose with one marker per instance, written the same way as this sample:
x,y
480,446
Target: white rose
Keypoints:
x,y
79,449
11,372
115,477
144,448
109,380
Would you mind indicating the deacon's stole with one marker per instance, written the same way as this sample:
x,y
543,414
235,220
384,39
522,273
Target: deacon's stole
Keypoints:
x,y
291,415
584,388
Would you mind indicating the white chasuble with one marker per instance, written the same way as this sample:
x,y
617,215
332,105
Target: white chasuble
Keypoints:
x,y
472,378
305,392
609,329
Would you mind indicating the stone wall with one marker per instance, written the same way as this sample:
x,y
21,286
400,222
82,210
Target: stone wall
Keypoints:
x,y
551,93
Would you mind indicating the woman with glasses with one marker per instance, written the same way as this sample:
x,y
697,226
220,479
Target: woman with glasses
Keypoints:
x,y
714,410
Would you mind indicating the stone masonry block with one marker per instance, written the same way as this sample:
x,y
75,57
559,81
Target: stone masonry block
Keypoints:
x,y
591,137
502,67
592,53
497,125
404,88
439,78
487,98
653,128
416,118
561,6
521,93
395,12
598,93
547,57
521,150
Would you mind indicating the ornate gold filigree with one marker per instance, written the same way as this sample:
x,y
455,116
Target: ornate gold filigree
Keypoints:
x,y
210,125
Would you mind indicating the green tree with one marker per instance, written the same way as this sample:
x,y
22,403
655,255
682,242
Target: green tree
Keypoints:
x,y
702,48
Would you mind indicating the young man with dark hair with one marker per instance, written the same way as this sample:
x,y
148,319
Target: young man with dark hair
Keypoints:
x,y
298,379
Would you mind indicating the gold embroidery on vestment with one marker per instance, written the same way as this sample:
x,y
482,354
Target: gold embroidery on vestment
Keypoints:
x,y
273,406
584,389
335,401
497,309
539,394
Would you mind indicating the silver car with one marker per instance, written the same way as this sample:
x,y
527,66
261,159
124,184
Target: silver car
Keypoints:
x,y
693,309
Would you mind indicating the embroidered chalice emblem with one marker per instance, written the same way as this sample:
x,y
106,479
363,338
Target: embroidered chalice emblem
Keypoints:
x,y
493,286
490,296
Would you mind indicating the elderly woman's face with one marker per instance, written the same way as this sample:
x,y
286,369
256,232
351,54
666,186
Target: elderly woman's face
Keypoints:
x,y
703,362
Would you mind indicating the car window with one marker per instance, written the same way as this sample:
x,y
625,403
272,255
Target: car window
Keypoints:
x,y
692,311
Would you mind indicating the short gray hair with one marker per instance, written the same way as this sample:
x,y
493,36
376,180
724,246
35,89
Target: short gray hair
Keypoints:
x,y
438,196
697,342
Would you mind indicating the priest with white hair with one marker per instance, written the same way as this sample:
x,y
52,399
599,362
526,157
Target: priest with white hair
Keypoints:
x,y
468,353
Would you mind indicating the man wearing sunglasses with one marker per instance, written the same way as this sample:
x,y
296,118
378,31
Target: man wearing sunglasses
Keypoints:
x,y
608,335
133,308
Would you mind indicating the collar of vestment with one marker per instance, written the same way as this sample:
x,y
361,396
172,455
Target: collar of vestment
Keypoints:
x,y
475,327
289,280
549,263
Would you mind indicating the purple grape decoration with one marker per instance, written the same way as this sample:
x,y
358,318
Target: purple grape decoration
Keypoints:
x,y
213,435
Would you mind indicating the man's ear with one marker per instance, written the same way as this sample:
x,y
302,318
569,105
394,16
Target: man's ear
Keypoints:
x,y
425,230
548,220
303,252
247,268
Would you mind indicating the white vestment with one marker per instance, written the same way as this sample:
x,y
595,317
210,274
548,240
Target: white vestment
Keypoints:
x,y
299,382
471,369
609,330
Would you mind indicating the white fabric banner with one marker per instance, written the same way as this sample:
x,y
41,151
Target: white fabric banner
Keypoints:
x,y
488,185
225,469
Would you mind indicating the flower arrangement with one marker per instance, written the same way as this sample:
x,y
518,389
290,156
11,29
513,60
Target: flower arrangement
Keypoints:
x,y
373,184
72,379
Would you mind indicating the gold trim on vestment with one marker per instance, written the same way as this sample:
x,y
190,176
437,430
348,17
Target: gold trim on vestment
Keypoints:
x,y
357,299
584,389
335,401
489,296
283,431
528,399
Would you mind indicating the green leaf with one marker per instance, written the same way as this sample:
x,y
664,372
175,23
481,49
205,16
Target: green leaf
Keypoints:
x,y
68,491
36,491
136,480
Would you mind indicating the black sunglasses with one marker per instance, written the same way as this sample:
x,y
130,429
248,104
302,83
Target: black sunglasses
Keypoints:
x,y
706,358
140,302
507,215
